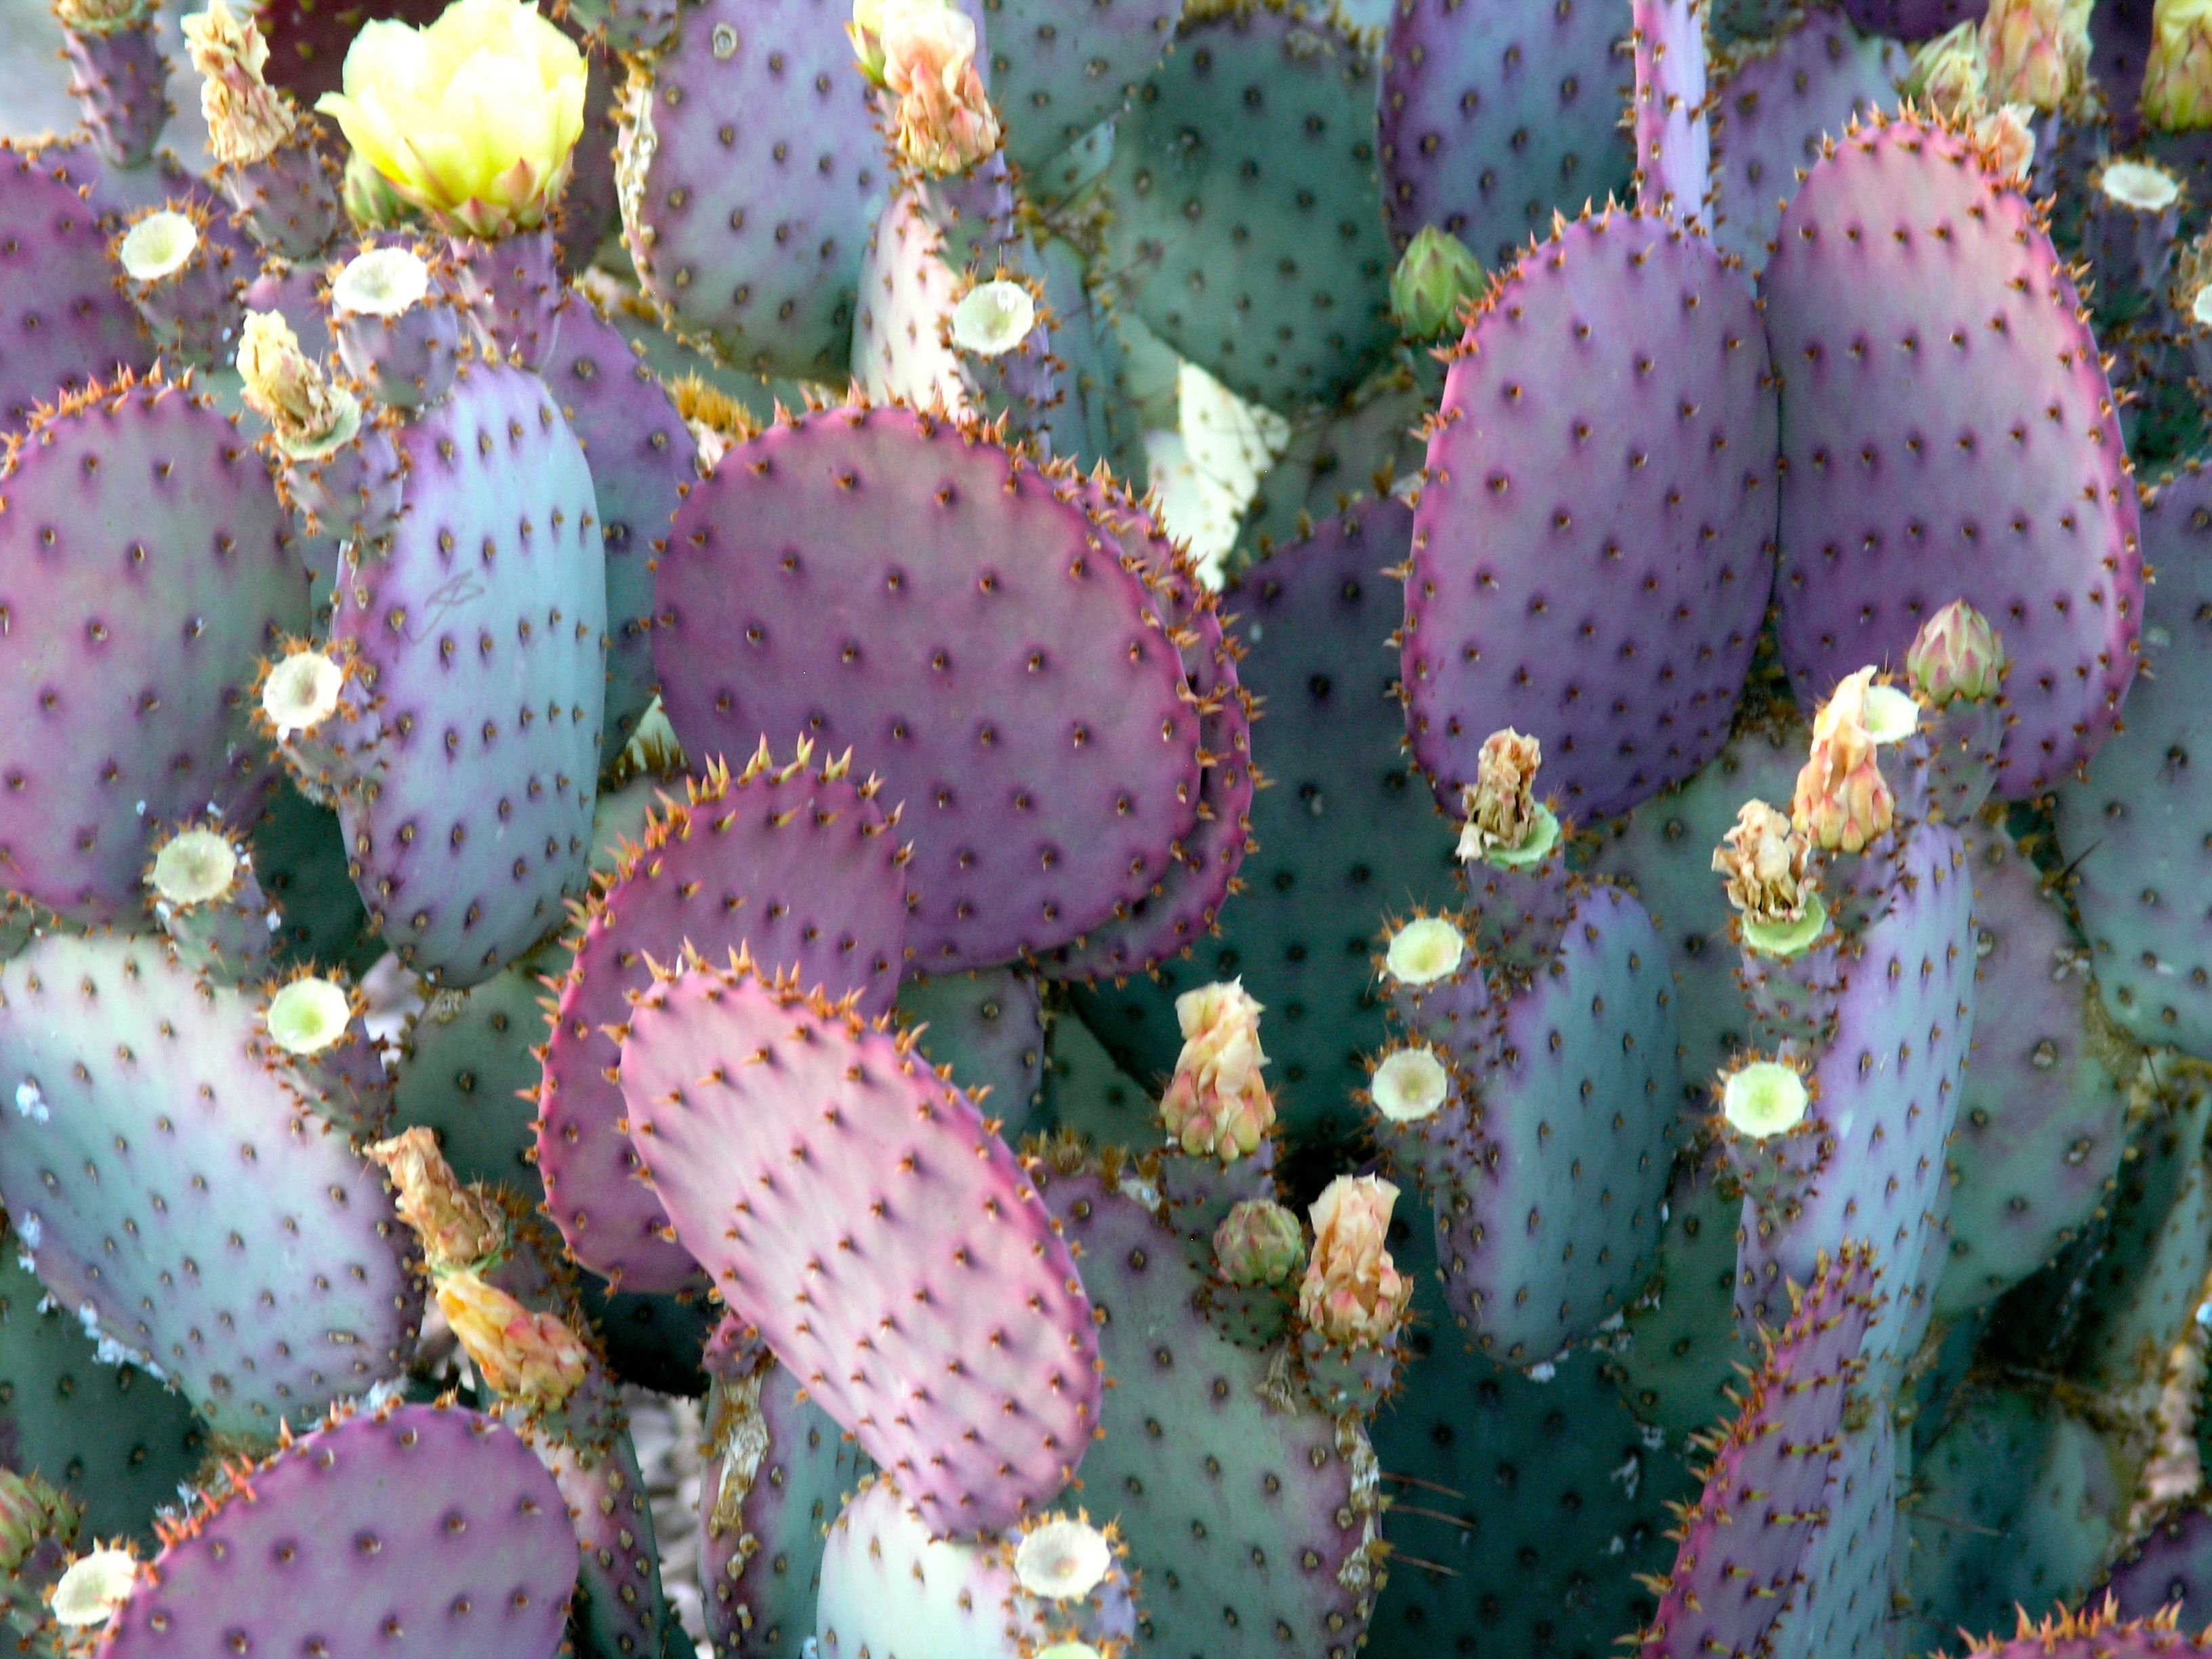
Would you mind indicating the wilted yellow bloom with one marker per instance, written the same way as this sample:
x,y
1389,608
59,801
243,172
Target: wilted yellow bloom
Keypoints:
x,y
1501,803
246,117
2177,89
1764,859
924,52
1217,1102
532,1357
287,389
2038,51
457,1225
1353,1294
1842,802
473,120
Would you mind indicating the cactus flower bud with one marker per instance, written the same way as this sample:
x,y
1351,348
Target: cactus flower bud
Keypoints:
x,y
531,1357
95,1586
1354,1294
1956,653
1259,1243
246,117
1216,1102
459,1226
103,17
1502,810
1435,279
473,120
1764,1098
2038,51
1764,858
1949,72
30,1512
2177,88
289,391
924,52
1842,802
2007,142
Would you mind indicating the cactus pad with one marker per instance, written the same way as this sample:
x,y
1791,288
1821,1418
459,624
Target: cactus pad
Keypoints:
x,y
63,323
1614,626
795,865
423,1521
485,631
1948,434
1245,227
148,567
973,638
758,1114
263,1271
1555,1222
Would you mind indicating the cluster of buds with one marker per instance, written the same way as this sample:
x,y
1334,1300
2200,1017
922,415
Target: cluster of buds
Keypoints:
x,y
2037,52
1217,1103
1503,814
2177,88
923,53
1354,1294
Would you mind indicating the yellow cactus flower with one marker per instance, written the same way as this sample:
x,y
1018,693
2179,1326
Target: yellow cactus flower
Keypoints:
x,y
473,120
2177,89
1353,1294
1217,1102
532,1357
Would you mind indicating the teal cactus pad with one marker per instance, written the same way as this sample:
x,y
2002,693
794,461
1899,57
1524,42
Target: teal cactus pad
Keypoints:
x,y
1494,117
147,570
485,631
1615,626
1778,98
1355,452
751,172
1746,1542
1247,226
1682,1355
110,1434
642,456
1251,1518
175,1192
952,1270
1914,477
427,1522
1887,1091
989,1028
2042,1120
1345,836
1521,1511
779,1471
1663,852
1844,1603
1554,1223
893,582
2133,825
299,857
472,1074
1055,76
64,323
2017,1504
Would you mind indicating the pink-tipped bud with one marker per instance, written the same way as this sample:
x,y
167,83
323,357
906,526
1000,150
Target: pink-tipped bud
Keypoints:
x,y
924,52
529,1357
2038,51
2177,89
1764,858
459,1226
1500,804
1955,654
1259,1243
1842,803
1216,1102
1353,1294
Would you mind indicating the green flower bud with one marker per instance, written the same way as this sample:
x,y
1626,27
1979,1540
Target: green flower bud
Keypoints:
x,y
1259,1244
1433,282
